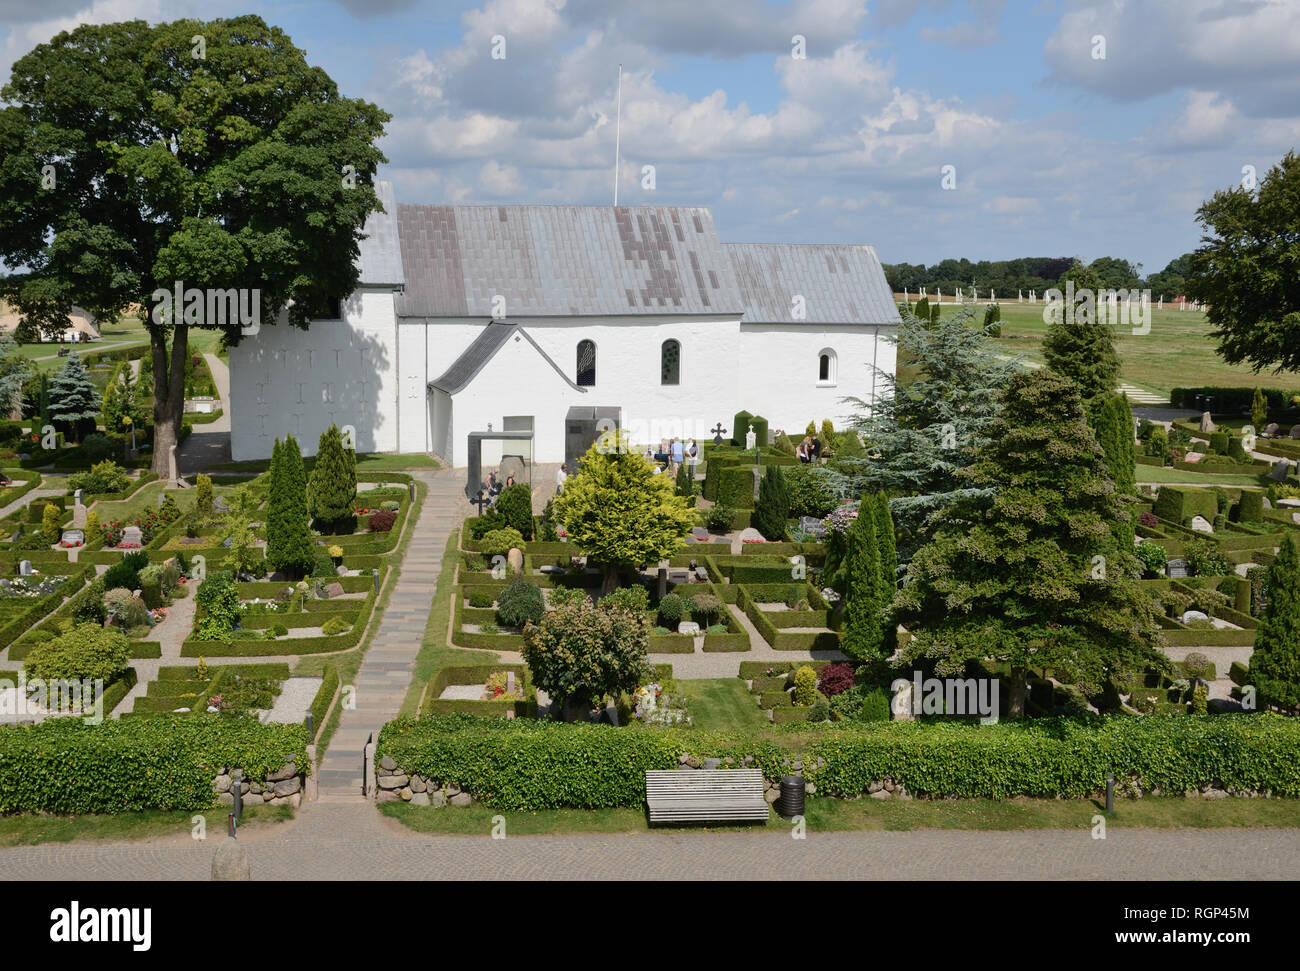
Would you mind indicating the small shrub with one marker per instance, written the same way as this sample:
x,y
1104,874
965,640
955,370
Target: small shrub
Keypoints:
x,y
635,599
520,603
516,505
671,609
382,520
704,607
335,625
1196,665
50,523
718,519
390,505
820,711
105,476
84,652
481,598
1152,555
805,686
501,541
1205,558
568,596
835,679
123,575
323,569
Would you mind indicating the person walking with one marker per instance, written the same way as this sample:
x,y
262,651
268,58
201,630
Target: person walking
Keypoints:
x,y
678,453
561,474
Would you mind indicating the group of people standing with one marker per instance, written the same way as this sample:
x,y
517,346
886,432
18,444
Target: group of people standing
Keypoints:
x,y
809,450
672,454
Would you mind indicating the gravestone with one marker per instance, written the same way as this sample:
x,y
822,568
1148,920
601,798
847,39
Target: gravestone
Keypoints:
x,y
1288,502
1271,429
1295,430
512,465
1201,524
73,537
750,533
812,526
700,534
334,589
228,542
5,584
679,574
1207,423
1280,470
131,534
688,627
515,560
1191,615
76,497
161,499
220,504
1193,457
1177,568
25,568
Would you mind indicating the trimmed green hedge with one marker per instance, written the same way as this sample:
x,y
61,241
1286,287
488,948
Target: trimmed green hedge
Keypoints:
x,y
526,765
320,705
525,707
736,487
23,621
1178,504
321,644
65,766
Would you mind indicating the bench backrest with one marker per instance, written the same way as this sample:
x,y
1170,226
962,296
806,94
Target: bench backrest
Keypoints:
x,y
722,782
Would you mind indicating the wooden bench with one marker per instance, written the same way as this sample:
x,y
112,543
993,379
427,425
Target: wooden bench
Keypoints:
x,y
705,796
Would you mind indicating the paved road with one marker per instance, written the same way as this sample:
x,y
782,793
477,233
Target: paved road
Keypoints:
x,y
209,444
350,841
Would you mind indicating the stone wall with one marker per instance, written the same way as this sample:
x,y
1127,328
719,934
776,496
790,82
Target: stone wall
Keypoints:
x,y
285,786
392,785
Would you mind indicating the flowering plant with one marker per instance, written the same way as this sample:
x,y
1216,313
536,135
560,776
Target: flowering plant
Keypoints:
x,y
840,520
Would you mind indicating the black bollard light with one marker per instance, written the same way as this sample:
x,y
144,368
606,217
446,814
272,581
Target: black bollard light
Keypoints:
x,y
238,789
311,726
375,573
1110,793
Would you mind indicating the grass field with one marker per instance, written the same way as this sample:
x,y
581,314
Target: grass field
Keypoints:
x,y
828,815
1178,351
30,830
722,705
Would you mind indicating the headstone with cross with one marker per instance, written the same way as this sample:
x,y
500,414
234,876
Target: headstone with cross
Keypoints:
x,y
718,432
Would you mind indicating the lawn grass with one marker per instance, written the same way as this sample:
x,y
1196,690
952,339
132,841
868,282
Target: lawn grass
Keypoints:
x,y
1152,473
144,500
722,705
830,815
31,829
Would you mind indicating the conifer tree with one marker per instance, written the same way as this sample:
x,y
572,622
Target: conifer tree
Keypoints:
x,y
1032,575
773,506
73,398
864,621
887,558
292,549
332,491
1083,349
1275,665
1259,410
1114,430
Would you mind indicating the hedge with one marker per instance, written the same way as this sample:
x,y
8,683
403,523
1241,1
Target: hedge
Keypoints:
x,y
670,644
473,674
320,705
1178,504
736,487
321,644
784,640
526,765
134,486
65,766
24,621
1230,400
1209,638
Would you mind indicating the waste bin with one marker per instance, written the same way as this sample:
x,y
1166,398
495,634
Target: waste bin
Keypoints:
x,y
790,803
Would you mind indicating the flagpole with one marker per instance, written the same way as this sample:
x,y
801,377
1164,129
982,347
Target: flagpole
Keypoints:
x,y
618,130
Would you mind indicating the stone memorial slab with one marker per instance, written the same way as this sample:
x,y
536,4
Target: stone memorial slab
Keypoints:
x,y
220,504
228,542
1177,568
131,534
1271,430
5,584
812,526
700,534
25,568
749,533
73,537
1288,502
1207,423
688,627
1193,457
1190,615
1280,470
1201,524
334,589
1295,431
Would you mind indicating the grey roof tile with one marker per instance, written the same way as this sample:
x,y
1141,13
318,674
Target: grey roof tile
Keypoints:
x,y
770,274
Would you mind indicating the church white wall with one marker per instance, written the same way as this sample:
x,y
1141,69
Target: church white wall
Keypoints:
x,y
628,370
779,373
286,381
516,382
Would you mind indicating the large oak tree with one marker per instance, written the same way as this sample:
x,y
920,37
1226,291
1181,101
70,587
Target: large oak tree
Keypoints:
x,y
135,156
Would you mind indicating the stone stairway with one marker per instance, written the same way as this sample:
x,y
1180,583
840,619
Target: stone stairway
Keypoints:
x,y
385,674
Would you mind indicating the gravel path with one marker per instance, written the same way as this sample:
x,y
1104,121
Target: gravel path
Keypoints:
x,y
295,698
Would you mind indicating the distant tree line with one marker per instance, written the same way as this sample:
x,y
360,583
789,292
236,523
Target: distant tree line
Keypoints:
x,y
1036,273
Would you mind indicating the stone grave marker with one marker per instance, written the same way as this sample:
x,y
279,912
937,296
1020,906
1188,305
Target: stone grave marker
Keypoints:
x,y
1177,568
1271,429
228,542
1201,524
1295,430
688,627
131,534
812,526
1207,423
1280,470
334,589
750,533
220,504
25,568
1191,615
74,537
5,584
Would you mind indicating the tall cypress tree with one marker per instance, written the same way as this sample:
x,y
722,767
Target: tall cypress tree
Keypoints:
x,y
864,623
1275,665
1032,575
332,492
1114,430
773,506
289,544
1080,349
887,559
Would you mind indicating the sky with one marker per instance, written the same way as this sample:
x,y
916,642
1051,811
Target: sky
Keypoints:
x,y
1055,149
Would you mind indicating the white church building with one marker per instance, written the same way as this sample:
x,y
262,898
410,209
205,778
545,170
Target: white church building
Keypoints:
x,y
485,318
